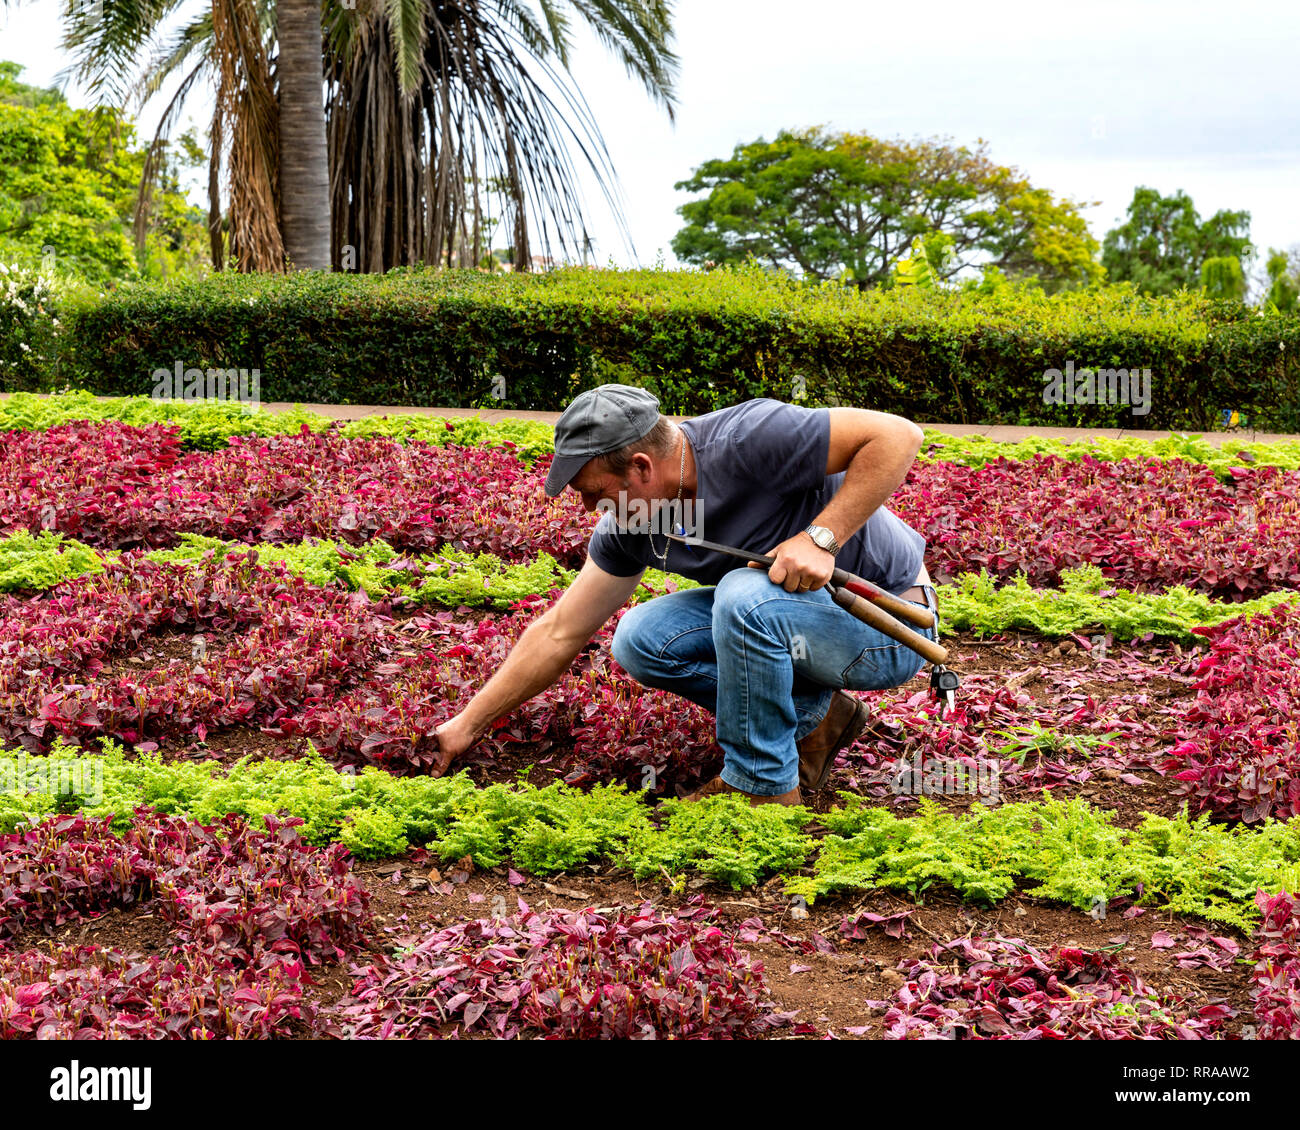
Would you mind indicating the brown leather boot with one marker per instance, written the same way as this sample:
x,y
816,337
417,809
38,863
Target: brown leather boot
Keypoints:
x,y
844,722
718,785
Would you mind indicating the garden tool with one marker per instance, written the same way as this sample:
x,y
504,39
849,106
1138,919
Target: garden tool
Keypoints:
x,y
870,604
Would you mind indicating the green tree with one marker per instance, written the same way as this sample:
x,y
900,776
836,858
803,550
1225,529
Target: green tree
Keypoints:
x,y
68,185
1283,280
1163,244
1222,277
842,205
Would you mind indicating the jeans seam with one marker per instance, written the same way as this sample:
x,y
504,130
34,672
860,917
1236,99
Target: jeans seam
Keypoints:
x,y
798,737
844,675
750,770
668,643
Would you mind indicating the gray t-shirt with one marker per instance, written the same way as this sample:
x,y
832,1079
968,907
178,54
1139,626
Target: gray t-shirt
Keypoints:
x,y
761,478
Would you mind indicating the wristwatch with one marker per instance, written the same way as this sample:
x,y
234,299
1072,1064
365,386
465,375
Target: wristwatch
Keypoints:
x,y
823,538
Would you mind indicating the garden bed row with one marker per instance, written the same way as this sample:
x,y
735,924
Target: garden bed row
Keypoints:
x,y
169,653
210,424
262,922
1145,524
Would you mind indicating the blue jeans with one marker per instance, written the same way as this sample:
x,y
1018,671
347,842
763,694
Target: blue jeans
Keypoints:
x,y
771,658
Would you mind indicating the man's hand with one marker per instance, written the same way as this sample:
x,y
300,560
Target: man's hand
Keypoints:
x,y
454,738
541,655
801,565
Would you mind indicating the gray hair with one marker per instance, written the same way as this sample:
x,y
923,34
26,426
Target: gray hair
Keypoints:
x,y
658,441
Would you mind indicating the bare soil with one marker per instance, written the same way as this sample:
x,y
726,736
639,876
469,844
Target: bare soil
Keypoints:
x,y
829,990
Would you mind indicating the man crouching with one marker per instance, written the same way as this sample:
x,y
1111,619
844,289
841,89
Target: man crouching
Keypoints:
x,y
766,651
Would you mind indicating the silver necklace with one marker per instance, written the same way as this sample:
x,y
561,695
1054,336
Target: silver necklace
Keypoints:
x,y
681,482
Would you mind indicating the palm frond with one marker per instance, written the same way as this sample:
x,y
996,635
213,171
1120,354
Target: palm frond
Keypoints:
x,y
539,41
407,33
156,153
106,41
637,32
487,112
172,56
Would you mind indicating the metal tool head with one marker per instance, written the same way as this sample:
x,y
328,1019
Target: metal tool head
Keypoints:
x,y
717,547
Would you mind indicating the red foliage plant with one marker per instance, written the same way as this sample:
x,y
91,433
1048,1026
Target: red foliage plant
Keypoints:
x,y
1006,989
193,993
115,486
1276,976
613,727
255,896
560,974
103,483
1237,747
1148,523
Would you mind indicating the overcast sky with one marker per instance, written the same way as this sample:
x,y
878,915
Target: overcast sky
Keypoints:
x,y
1088,101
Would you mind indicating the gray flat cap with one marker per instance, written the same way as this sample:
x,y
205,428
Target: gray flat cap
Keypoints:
x,y
598,421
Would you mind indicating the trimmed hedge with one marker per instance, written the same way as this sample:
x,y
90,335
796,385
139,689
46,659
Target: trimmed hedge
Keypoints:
x,y
699,340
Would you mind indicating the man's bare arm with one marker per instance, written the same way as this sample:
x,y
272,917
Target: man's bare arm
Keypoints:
x,y
541,655
876,449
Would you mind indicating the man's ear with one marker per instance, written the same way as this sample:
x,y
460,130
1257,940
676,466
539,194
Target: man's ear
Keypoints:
x,y
642,464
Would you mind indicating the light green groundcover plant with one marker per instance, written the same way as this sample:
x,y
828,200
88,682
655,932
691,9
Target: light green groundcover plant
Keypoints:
x,y
446,577
1061,850
32,563
1065,851
209,424
975,451
450,578
1086,601
206,424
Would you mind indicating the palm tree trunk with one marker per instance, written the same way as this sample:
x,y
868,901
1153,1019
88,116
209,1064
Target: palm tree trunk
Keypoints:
x,y
304,159
216,243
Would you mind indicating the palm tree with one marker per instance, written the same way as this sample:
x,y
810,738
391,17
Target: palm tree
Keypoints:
x,y
424,102
411,143
121,54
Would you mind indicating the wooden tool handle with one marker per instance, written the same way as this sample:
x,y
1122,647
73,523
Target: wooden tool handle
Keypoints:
x,y
895,605
883,622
